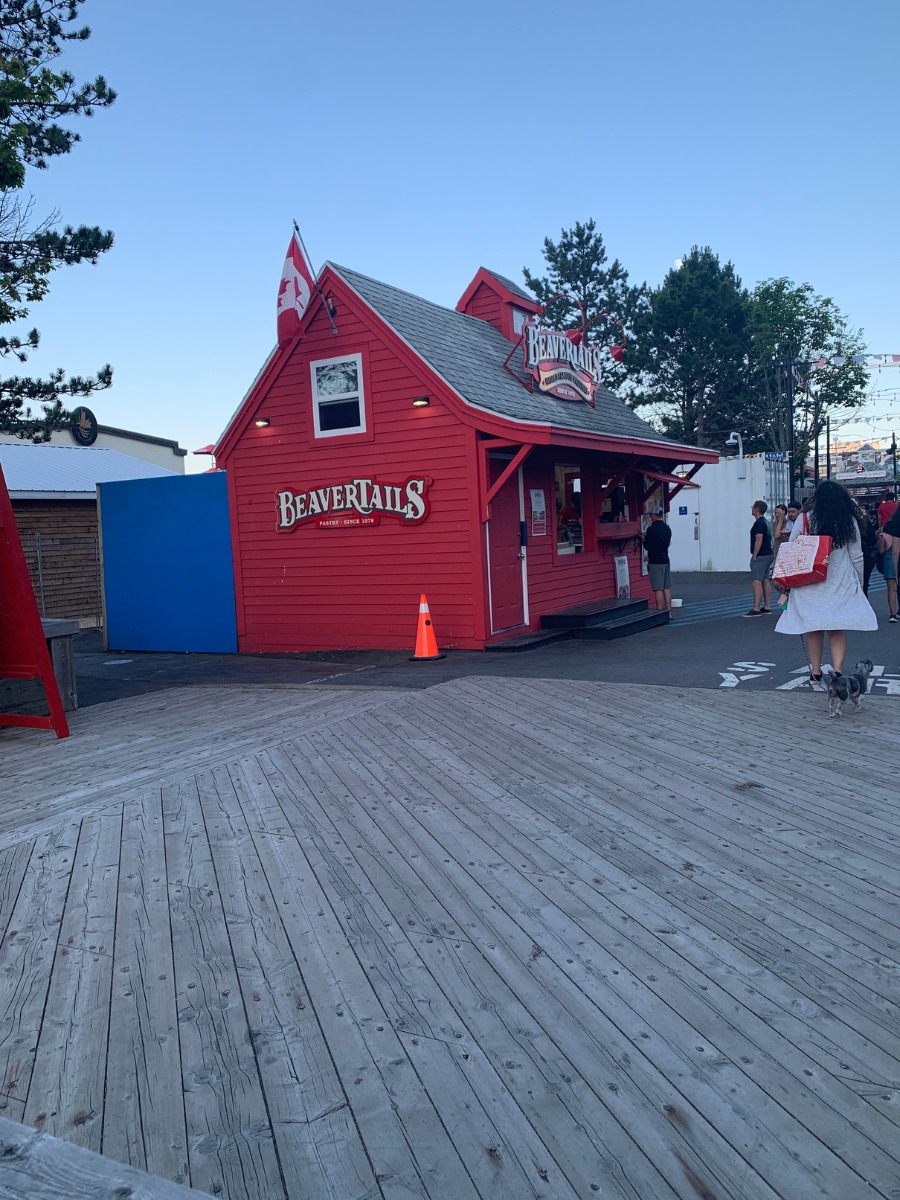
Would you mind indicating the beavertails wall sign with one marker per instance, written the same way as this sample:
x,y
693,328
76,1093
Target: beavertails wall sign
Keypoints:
x,y
354,505
559,366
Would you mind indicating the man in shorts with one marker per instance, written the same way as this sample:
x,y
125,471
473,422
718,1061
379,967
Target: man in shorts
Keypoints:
x,y
656,543
760,561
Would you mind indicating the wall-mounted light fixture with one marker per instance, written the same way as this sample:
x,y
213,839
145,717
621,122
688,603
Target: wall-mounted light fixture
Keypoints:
x,y
735,439
421,401
262,422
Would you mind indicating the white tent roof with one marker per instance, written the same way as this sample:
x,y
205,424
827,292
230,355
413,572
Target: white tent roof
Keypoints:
x,y
67,472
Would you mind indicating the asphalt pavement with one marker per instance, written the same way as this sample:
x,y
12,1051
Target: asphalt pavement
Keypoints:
x,y
709,644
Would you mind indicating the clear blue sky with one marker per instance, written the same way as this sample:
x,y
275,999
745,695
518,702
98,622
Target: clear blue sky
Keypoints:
x,y
416,142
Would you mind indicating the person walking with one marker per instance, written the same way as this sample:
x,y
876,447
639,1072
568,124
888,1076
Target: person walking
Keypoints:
x,y
886,508
837,603
793,516
780,531
760,561
656,541
889,570
892,529
868,530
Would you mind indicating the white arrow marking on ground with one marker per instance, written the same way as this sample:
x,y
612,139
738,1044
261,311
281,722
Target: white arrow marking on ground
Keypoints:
x,y
754,666
802,680
729,680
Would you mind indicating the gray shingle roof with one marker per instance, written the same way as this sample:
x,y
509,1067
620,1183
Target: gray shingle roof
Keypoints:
x,y
68,472
515,288
469,354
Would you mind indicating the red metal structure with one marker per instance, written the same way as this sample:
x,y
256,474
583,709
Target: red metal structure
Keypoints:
x,y
23,649
410,452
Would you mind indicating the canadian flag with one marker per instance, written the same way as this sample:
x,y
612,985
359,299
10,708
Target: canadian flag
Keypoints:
x,y
294,292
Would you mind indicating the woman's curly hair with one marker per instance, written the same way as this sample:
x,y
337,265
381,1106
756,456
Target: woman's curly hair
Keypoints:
x,y
833,513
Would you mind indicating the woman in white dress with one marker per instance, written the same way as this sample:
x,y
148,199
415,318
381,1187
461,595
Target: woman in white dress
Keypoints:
x,y
838,603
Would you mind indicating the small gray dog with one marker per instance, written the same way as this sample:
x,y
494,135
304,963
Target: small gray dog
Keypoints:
x,y
848,687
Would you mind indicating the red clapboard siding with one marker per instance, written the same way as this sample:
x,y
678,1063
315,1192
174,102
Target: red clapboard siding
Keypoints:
x,y
309,588
487,306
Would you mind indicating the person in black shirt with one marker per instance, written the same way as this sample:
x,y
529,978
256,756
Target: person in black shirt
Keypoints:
x,y
760,561
656,543
868,531
892,528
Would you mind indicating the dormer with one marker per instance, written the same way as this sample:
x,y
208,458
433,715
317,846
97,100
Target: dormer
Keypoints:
x,y
500,302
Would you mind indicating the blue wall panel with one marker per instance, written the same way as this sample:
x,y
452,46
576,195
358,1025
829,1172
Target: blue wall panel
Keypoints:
x,y
167,568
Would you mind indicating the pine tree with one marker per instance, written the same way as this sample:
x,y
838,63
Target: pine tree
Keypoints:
x,y
33,100
578,271
691,348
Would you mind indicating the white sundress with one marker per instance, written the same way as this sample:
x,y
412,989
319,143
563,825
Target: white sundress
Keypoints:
x,y
836,603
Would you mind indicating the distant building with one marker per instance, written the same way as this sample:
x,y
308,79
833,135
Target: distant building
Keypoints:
x,y
53,490
162,452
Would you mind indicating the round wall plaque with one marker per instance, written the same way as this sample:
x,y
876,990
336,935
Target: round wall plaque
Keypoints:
x,y
83,427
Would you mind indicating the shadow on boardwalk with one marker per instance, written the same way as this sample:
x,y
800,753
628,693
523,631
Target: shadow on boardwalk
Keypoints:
x,y
501,938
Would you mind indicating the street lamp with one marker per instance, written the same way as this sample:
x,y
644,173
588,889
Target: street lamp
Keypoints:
x,y
735,439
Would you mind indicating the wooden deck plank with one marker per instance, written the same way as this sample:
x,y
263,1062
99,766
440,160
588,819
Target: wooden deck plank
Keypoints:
x,y
521,826
117,750
698,816
28,953
13,865
230,1145
778,1124
144,1121
807,795
608,1055
66,1094
543,943
492,1135
36,1166
414,927
406,1142
635,848
868,811
320,1150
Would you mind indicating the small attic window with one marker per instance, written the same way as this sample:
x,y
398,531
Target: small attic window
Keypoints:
x,y
520,316
337,395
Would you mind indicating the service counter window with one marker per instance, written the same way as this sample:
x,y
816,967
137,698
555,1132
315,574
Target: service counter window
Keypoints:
x,y
614,507
568,495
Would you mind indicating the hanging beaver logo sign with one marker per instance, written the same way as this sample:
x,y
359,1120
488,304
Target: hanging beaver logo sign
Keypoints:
x,y
357,503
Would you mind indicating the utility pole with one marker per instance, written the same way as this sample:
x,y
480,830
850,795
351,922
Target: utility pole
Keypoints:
x,y
789,395
828,447
894,461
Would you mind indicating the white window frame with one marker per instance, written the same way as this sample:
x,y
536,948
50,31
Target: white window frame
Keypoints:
x,y
357,395
520,316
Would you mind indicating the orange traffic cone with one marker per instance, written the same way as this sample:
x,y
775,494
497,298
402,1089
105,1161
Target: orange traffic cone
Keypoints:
x,y
426,642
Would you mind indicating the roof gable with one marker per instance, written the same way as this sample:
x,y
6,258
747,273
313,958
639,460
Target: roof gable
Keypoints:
x,y
469,354
503,288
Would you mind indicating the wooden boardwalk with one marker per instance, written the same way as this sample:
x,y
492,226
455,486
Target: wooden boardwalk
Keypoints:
x,y
499,939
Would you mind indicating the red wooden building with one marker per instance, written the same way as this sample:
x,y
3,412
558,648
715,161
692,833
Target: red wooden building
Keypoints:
x,y
469,454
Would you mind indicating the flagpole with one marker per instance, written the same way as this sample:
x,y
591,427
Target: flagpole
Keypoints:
x,y
325,303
